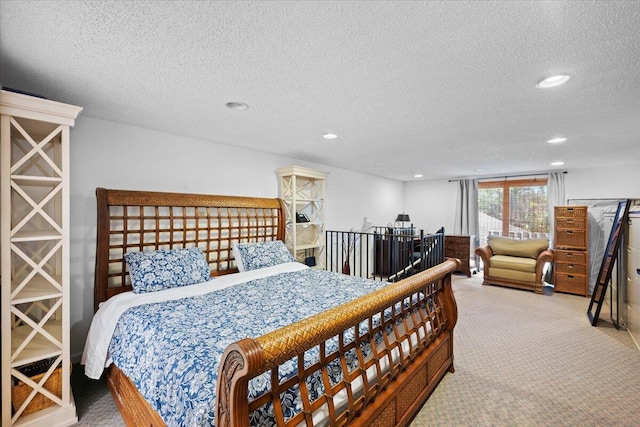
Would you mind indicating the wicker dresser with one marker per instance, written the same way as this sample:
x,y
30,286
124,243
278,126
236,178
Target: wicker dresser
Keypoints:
x,y
463,248
571,272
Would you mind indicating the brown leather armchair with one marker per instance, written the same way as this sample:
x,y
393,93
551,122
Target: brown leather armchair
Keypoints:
x,y
515,263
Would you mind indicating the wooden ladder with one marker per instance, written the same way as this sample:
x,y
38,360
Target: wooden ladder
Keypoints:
x,y
610,255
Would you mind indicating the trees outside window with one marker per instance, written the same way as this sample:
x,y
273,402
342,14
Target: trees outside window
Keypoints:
x,y
513,208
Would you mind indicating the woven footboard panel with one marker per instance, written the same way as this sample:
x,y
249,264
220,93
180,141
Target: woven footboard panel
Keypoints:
x,y
399,405
412,390
135,410
386,418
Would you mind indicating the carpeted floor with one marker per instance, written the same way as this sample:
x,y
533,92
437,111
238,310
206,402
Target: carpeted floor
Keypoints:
x,y
524,359
521,359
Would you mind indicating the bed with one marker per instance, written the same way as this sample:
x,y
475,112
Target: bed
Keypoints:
x,y
371,357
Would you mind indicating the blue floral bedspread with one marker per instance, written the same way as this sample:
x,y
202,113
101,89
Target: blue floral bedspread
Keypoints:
x,y
171,350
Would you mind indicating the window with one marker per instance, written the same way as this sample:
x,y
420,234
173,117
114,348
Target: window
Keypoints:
x,y
513,208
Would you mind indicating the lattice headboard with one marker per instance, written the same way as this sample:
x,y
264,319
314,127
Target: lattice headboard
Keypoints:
x,y
140,220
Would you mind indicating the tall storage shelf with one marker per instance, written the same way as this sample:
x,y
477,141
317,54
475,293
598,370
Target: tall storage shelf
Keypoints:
x,y
34,260
302,191
571,272
631,254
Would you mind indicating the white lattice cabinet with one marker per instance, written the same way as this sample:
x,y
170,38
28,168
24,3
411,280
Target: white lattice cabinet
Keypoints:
x,y
302,191
34,230
631,251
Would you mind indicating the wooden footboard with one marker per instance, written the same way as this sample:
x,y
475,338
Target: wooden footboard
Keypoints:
x,y
409,327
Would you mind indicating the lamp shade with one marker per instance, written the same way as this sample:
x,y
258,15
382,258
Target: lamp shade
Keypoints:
x,y
402,217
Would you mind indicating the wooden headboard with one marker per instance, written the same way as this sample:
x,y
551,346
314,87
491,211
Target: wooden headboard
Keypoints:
x,y
140,220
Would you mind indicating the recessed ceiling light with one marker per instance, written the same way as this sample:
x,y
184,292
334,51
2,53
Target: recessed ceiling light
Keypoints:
x,y
377,164
329,136
238,106
418,175
557,163
556,140
553,81
479,170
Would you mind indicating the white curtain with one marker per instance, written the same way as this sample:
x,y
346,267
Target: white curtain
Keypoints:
x,y
555,197
466,220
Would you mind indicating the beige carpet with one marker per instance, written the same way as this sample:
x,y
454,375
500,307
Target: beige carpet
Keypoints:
x,y
521,359
524,359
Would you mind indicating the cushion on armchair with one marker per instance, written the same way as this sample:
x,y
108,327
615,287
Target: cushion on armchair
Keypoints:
x,y
508,274
530,248
513,263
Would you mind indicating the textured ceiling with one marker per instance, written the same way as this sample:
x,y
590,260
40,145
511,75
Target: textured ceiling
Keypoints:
x,y
446,89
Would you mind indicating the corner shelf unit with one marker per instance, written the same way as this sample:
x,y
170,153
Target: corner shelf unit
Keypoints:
x,y
302,191
34,261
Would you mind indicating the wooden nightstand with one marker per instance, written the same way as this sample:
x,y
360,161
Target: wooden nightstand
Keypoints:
x,y
463,248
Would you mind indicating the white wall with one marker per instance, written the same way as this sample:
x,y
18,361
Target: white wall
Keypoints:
x,y
432,204
114,155
618,182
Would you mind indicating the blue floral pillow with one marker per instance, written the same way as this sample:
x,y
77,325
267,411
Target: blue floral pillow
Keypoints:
x,y
153,271
251,256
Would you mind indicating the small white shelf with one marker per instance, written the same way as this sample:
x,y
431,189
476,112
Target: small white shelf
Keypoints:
x,y
36,236
39,348
40,181
38,289
304,201
307,246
